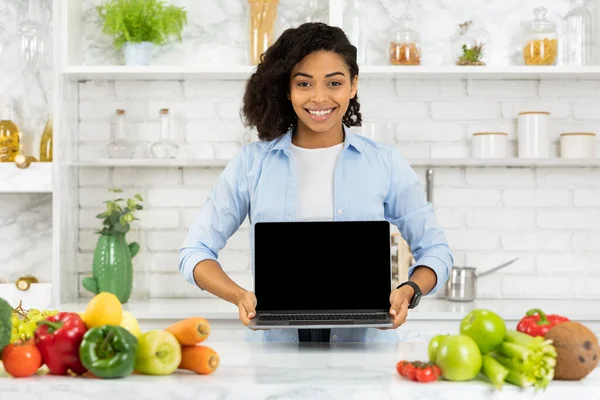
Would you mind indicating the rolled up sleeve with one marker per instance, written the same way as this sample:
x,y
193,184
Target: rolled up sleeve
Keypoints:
x,y
220,217
408,209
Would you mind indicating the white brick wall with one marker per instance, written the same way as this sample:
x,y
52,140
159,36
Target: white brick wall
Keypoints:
x,y
548,217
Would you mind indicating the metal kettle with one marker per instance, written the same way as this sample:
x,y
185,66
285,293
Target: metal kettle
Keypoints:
x,y
462,282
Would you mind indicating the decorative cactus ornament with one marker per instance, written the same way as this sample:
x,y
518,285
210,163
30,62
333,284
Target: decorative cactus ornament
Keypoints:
x,y
112,267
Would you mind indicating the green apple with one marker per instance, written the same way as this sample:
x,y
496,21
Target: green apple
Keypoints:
x,y
459,358
433,347
485,327
158,353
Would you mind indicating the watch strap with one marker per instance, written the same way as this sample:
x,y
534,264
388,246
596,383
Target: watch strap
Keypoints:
x,y
414,301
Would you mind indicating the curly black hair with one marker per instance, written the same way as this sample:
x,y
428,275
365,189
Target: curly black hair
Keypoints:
x,y
266,105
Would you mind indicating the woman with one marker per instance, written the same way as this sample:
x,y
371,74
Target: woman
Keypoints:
x,y
308,165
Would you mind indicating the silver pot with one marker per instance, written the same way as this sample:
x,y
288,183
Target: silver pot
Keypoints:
x,y
462,282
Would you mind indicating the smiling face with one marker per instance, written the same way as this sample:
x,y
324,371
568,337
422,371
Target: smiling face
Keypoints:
x,y
320,92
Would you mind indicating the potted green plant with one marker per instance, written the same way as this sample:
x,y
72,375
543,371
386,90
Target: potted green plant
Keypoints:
x,y
112,266
136,26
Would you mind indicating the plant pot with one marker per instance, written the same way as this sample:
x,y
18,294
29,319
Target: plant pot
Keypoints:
x,y
138,53
112,267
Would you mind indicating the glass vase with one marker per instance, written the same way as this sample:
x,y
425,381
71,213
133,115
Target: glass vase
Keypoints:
x,y
354,27
165,147
579,34
119,146
263,15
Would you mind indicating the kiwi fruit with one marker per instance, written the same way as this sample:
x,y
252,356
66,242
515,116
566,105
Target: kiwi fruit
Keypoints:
x,y
577,350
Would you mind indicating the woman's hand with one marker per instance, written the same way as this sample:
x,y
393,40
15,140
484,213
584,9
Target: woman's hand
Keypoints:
x,y
247,306
399,300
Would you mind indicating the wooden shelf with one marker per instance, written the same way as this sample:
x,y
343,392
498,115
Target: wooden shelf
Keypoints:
x,y
37,178
162,72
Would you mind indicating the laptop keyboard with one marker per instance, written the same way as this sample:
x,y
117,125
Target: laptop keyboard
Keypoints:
x,y
322,317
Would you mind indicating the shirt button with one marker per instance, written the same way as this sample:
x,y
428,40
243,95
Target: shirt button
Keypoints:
x,y
339,211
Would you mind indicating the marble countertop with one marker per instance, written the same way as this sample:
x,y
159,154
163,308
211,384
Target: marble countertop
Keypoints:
x,y
428,309
290,371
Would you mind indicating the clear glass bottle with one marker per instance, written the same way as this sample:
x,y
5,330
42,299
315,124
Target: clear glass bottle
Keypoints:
x,y
46,142
471,45
579,34
119,146
405,48
165,147
32,36
355,26
540,45
10,140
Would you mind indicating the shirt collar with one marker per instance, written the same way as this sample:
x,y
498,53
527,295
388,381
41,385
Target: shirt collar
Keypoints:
x,y
351,140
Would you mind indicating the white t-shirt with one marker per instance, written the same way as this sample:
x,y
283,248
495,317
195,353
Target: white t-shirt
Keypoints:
x,y
315,170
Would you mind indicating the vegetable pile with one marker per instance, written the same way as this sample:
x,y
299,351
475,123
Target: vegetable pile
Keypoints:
x,y
522,360
104,342
541,349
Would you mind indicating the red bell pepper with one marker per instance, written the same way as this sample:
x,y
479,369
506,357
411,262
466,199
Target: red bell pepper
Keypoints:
x,y
58,338
537,323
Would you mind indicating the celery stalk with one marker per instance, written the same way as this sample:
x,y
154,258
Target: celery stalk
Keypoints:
x,y
525,340
549,361
514,351
513,364
519,379
494,371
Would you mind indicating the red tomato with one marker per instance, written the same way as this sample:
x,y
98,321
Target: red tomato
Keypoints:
x,y
437,370
400,367
21,358
409,371
425,374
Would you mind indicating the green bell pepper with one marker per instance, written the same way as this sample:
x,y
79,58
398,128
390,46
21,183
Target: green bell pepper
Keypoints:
x,y
108,351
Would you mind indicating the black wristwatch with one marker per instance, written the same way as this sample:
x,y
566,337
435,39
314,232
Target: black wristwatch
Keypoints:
x,y
414,301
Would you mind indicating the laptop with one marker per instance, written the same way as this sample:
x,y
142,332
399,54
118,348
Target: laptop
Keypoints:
x,y
322,274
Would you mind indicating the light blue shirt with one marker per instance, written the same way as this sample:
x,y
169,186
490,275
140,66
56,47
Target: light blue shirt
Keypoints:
x,y
372,181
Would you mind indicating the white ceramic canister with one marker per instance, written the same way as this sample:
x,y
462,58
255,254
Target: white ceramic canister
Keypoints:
x,y
533,134
578,145
489,145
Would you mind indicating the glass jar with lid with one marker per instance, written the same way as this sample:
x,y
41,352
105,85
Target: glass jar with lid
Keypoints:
x,y
405,48
540,45
471,45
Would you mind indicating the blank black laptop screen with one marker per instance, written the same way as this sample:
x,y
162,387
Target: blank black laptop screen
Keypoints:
x,y
342,265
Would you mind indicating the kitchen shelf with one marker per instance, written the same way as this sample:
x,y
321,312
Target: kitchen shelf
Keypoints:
x,y
504,162
37,178
424,162
163,72
39,295
157,72
209,162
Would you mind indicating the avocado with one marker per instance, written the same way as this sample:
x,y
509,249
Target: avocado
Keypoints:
x,y
577,349
5,323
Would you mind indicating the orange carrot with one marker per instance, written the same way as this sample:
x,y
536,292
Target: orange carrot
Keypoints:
x,y
199,359
190,331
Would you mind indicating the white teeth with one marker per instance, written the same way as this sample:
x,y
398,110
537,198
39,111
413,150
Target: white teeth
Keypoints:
x,y
320,113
